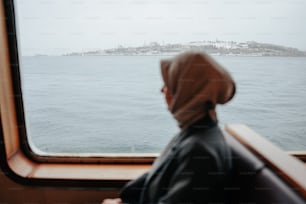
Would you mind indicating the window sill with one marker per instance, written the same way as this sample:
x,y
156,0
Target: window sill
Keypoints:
x,y
26,168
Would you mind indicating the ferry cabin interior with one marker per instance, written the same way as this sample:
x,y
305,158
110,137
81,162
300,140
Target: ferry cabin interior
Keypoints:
x,y
262,172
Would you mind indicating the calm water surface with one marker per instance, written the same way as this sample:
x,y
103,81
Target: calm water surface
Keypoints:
x,y
113,103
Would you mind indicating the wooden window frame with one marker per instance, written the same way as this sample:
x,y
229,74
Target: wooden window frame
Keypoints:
x,y
17,158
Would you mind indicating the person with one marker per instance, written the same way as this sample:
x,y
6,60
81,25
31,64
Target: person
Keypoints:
x,y
196,164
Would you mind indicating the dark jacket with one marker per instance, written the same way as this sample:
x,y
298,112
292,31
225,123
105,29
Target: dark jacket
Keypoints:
x,y
193,168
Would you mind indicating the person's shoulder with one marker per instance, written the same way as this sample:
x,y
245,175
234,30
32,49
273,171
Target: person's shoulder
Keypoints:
x,y
203,142
210,136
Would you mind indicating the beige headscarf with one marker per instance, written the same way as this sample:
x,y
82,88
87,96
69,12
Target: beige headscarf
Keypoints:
x,y
196,83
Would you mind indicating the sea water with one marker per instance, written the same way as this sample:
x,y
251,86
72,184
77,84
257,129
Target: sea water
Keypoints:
x,y
106,104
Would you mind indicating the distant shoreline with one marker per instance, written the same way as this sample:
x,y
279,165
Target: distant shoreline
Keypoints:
x,y
215,48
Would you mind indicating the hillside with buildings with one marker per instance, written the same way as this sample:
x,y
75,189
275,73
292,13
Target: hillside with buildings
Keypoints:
x,y
227,48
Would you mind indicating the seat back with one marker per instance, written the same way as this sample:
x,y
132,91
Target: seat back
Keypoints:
x,y
253,182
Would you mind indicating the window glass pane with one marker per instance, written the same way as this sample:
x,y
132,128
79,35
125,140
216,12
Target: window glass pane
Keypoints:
x,y
91,79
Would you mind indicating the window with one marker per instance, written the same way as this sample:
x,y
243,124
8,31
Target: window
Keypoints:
x,y
90,69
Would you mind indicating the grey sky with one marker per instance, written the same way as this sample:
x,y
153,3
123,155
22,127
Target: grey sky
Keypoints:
x,y
60,26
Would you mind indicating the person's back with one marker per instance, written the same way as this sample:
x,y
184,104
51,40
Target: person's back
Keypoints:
x,y
195,170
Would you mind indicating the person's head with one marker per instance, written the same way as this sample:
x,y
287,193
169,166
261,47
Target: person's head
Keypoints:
x,y
193,85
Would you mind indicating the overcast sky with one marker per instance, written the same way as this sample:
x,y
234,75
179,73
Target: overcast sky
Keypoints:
x,y
55,27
